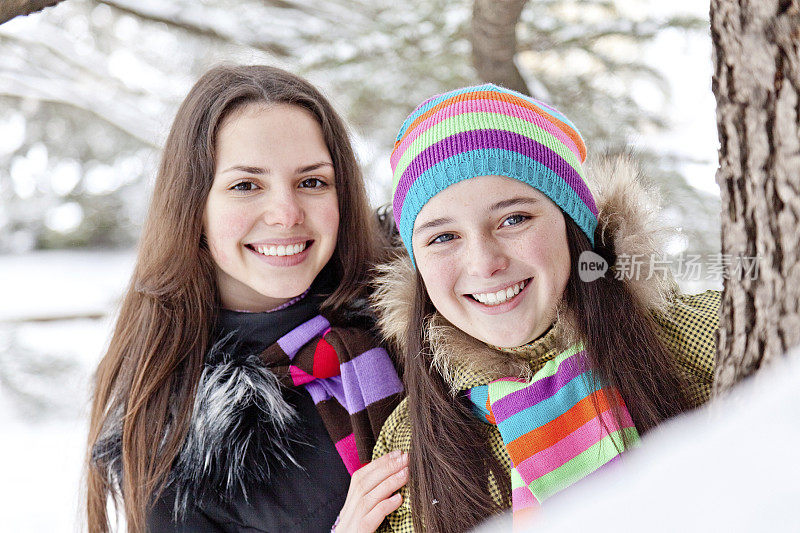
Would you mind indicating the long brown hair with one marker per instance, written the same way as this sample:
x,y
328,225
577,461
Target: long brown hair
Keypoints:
x,y
450,456
151,369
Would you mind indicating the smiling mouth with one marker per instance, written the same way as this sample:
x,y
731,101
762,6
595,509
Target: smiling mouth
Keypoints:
x,y
501,296
271,250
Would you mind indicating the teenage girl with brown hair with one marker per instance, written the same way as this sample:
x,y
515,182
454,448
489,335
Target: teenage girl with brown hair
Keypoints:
x,y
241,388
532,358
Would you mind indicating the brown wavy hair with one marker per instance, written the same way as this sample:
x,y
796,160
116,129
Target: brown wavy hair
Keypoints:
x,y
150,372
450,458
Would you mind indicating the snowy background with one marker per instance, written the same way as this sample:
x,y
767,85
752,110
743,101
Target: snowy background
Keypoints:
x,y
730,467
77,151
45,371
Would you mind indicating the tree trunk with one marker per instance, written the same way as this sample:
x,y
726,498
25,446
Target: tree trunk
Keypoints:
x,y
494,42
13,8
757,85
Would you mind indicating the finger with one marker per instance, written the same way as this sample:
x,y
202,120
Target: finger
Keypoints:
x,y
385,489
371,475
372,520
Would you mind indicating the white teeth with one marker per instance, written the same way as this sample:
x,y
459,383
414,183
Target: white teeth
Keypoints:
x,y
494,298
291,249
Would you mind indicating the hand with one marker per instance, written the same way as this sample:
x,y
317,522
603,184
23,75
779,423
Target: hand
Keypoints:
x,y
371,496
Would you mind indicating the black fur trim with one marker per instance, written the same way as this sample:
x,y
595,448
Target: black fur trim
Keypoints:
x,y
241,430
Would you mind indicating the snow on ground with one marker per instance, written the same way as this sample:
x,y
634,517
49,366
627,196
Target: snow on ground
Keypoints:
x,y
55,283
42,467
730,467
45,371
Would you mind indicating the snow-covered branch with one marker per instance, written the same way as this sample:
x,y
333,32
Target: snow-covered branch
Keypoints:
x,y
10,9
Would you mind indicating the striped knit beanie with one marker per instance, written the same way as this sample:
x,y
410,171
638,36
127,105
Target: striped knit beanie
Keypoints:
x,y
488,130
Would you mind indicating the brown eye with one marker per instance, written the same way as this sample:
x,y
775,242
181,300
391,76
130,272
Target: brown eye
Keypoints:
x,y
244,186
312,183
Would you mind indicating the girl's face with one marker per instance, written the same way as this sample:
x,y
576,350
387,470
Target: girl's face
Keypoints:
x,y
493,254
272,216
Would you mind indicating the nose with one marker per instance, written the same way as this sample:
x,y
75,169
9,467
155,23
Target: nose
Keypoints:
x,y
283,209
485,257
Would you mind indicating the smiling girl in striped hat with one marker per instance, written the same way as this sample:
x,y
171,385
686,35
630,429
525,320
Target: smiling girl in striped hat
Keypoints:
x,y
531,359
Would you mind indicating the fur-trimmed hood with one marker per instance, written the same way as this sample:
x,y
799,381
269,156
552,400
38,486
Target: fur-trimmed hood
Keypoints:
x,y
627,218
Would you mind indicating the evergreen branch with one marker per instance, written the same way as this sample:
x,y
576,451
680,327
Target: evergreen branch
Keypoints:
x,y
197,29
119,125
69,61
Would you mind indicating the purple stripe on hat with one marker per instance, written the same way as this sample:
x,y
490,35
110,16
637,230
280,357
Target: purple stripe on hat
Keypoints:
x,y
482,139
302,335
368,378
540,390
467,141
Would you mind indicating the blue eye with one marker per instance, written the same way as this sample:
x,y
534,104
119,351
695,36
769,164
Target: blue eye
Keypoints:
x,y
513,220
313,183
444,237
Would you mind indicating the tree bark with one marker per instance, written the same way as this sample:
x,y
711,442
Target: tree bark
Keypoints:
x,y
13,8
494,42
757,85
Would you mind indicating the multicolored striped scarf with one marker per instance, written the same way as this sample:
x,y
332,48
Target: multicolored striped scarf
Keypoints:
x,y
551,428
351,379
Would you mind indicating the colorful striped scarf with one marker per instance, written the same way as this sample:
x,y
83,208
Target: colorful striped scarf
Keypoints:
x,y
351,379
550,426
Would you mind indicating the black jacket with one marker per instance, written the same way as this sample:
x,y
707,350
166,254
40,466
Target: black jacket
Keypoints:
x,y
304,498
257,457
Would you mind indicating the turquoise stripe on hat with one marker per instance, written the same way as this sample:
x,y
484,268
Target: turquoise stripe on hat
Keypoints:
x,y
495,162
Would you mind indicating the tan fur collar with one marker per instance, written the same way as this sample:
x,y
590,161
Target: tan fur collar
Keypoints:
x,y
628,212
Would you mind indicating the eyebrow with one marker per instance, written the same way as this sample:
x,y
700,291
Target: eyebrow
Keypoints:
x,y
435,223
247,170
259,170
517,200
502,204
314,166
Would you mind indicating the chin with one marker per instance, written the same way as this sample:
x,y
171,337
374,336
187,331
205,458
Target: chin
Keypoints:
x,y
508,343
289,289
501,340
